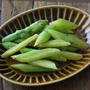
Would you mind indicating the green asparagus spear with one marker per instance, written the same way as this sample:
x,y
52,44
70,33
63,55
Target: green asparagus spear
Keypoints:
x,y
71,55
8,45
14,36
35,55
38,26
19,34
62,25
74,40
45,64
68,48
30,68
58,35
22,39
58,58
19,46
43,37
19,40
24,50
55,43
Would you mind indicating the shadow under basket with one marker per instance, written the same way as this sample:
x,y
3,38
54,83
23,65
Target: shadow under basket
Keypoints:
x,y
50,13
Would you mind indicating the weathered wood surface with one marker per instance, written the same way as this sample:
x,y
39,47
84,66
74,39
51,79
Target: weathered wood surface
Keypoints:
x,y
0,24
10,8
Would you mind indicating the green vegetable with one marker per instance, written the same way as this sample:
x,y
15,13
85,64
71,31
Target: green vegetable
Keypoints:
x,y
43,37
62,25
8,45
38,26
71,55
45,64
74,40
19,34
68,48
58,58
22,39
16,35
19,40
16,48
35,55
55,43
24,50
30,68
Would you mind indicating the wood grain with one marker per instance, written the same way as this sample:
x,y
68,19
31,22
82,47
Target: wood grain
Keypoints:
x,y
0,24
0,10
80,81
12,7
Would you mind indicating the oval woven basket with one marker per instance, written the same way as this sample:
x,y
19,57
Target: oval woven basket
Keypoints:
x,y
50,13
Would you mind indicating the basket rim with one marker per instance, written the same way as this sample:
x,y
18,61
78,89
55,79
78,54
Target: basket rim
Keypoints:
x,y
54,81
51,6
45,83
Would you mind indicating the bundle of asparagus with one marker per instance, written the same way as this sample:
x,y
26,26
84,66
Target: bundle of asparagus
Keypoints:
x,y
40,45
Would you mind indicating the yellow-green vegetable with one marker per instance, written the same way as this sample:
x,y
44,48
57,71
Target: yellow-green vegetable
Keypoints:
x,y
45,64
38,26
68,48
24,50
58,58
30,68
29,30
55,43
19,46
71,55
63,25
73,39
8,45
43,37
35,55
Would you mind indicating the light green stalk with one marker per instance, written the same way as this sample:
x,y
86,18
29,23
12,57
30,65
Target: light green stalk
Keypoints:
x,y
19,46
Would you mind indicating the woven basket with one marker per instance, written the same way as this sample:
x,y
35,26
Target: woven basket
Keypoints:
x,y
51,13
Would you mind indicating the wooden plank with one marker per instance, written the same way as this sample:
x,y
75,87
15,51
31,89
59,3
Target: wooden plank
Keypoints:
x,y
9,9
12,7
39,3
0,24
89,8
83,5
0,11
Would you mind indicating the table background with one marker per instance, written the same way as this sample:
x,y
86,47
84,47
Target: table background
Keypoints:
x,y
9,8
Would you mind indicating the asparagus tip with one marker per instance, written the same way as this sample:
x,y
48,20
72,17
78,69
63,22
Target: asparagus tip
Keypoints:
x,y
69,43
13,57
35,44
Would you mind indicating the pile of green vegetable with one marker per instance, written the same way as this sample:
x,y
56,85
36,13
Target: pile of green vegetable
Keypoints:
x,y
40,45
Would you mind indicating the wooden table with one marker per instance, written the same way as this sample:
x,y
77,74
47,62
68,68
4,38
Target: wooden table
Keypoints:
x,y
10,8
